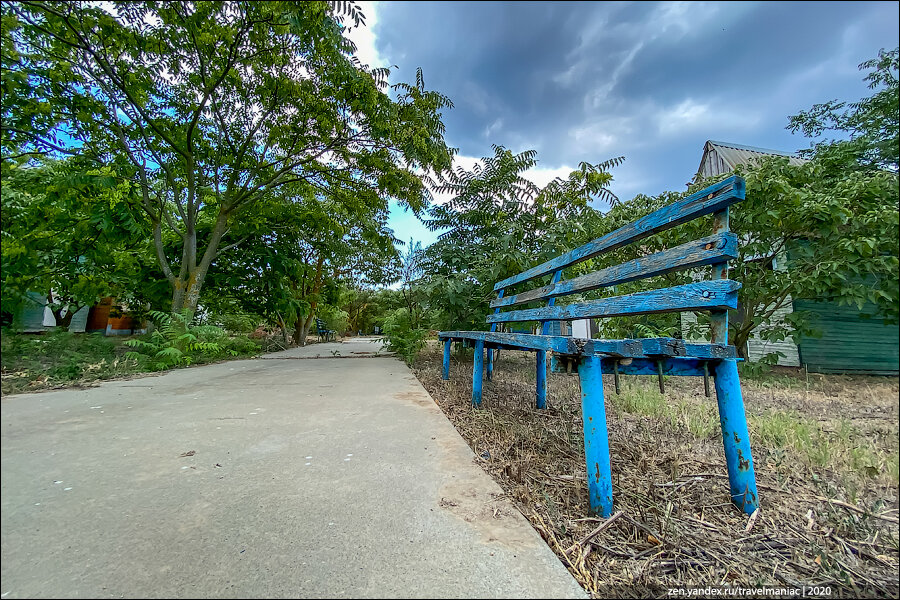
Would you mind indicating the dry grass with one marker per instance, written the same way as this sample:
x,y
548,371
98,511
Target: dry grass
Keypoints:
x,y
826,465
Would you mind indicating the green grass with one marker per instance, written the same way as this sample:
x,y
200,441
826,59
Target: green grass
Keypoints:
x,y
700,419
30,362
38,361
781,433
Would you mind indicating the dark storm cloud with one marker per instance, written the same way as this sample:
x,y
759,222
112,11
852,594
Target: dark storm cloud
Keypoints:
x,y
585,81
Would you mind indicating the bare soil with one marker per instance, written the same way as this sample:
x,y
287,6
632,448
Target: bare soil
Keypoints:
x,y
825,451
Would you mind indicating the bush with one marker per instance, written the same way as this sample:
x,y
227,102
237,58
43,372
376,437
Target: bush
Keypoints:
x,y
177,342
401,337
240,344
335,318
239,322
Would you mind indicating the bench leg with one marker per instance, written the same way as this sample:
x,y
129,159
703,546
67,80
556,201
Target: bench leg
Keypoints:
x,y
489,364
477,373
741,478
596,436
446,374
541,378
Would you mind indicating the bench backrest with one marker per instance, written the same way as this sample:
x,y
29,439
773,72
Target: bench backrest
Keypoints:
x,y
716,295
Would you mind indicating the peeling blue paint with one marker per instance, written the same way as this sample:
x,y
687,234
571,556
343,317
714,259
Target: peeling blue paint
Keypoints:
x,y
656,356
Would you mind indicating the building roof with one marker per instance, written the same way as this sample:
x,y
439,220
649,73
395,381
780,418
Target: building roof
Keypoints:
x,y
722,157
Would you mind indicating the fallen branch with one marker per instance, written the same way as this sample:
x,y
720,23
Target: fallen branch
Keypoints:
x,y
595,532
861,511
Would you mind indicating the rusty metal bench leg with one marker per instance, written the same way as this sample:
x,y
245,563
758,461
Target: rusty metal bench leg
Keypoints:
x,y
477,373
541,377
735,436
446,373
596,436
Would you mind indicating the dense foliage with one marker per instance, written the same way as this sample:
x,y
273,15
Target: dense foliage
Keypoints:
x,y
231,165
210,108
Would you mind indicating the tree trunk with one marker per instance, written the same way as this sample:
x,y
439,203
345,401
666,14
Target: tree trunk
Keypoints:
x,y
739,341
63,321
187,284
186,294
301,328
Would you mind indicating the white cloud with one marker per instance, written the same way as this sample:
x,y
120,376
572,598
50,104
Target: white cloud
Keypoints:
x,y
541,176
459,161
596,139
690,115
364,36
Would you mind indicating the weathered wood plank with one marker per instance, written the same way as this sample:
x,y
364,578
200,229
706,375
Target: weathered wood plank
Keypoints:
x,y
703,295
557,343
677,366
711,199
665,346
705,251
711,351
718,319
545,327
576,346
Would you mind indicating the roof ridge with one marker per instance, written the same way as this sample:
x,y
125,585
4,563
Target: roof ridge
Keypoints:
x,y
756,149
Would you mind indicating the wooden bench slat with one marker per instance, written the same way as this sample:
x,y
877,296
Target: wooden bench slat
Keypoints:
x,y
705,251
557,343
628,348
704,295
678,366
716,197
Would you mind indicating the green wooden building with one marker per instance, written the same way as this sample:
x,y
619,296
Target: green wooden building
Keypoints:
x,y
853,340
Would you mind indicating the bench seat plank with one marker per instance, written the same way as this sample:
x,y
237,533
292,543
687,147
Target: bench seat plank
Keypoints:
x,y
633,348
676,366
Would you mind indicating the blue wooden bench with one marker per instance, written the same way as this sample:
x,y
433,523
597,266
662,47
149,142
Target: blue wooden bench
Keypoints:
x,y
657,356
323,331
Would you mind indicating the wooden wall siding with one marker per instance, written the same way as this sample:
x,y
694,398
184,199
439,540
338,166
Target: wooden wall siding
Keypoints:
x,y
79,320
757,347
31,318
713,164
850,343
720,158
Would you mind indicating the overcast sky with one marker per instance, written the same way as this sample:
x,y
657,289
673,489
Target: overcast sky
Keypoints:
x,y
581,81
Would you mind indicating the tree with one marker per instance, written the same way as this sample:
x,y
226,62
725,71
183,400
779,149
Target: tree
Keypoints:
x,y
298,246
366,306
410,272
872,124
498,223
71,232
214,106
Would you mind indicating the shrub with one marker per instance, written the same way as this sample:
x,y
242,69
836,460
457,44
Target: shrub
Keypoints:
x,y
175,341
239,322
335,318
401,337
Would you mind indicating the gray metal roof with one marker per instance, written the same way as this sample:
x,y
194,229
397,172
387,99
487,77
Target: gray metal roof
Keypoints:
x,y
722,157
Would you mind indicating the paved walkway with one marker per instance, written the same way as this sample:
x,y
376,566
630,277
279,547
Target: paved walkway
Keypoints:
x,y
275,477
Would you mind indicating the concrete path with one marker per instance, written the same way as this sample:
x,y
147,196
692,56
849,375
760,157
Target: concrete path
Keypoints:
x,y
276,477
